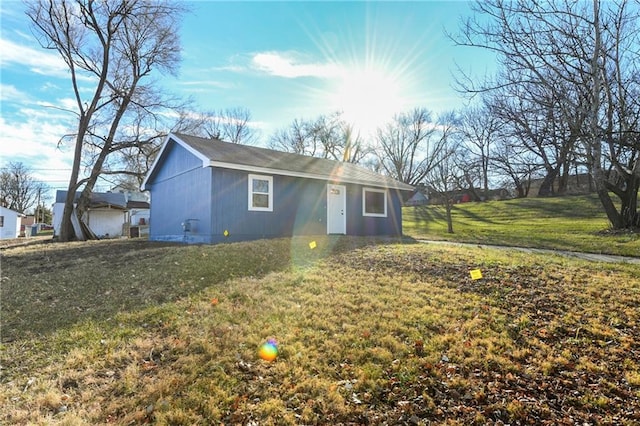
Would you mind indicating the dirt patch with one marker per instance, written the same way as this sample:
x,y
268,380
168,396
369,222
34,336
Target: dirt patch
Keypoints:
x,y
47,285
22,242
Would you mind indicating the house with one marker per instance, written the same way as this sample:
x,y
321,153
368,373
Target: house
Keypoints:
x,y
574,184
137,204
418,198
9,223
138,219
210,191
138,208
29,226
106,215
27,223
139,212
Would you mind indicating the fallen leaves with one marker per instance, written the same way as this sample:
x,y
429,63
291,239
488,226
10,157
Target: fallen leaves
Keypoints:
x,y
559,314
387,334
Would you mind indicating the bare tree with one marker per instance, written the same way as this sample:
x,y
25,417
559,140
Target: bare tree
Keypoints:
x,y
19,190
328,136
446,174
617,67
480,127
583,57
408,144
230,125
516,163
354,148
530,114
115,45
296,139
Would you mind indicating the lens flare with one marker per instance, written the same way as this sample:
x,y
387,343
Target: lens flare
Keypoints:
x,y
269,350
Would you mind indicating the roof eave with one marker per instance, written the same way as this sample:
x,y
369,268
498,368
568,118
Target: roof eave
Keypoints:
x,y
207,162
172,136
268,170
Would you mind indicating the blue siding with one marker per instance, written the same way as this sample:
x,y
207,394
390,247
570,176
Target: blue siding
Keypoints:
x,y
180,191
216,200
176,161
299,208
358,224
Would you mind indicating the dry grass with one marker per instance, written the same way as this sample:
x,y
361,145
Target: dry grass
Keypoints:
x,y
368,333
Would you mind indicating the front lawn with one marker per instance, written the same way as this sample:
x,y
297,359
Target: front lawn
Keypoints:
x,y
368,332
575,223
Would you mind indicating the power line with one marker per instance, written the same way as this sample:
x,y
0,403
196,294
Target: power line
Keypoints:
x,y
39,170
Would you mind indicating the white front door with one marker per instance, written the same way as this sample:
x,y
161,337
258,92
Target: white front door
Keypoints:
x,y
336,204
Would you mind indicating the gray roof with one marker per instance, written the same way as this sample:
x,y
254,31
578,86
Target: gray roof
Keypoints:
x,y
98,199
133,204
217,153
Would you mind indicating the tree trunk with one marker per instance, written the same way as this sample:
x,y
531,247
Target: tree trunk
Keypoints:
x,y
563,182
629,210
603,193
66,228
67,233
546,187
448,207
84,200
594,148
520,191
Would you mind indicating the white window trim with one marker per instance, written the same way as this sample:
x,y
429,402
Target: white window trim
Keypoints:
x,y
364,202
250,191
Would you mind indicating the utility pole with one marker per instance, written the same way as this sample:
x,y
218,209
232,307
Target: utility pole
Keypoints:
x,y
37,206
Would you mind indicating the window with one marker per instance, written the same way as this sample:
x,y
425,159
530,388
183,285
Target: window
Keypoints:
x,y
374,202
261,193
1,221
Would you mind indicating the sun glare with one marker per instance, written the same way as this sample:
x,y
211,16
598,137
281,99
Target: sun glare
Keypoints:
x,y
367,98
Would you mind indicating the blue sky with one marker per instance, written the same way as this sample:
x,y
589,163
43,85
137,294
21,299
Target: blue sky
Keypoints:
x,y
280,60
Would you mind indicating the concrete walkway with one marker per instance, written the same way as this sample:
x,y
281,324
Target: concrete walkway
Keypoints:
x,y
594,257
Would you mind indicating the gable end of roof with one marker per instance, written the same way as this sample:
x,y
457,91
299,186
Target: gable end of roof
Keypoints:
x,y
217,153
171,137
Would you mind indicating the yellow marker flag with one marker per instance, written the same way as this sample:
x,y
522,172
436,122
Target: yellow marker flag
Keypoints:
x,y
476,274
312,245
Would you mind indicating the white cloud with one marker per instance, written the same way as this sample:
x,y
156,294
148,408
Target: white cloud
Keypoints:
x,y
9,93
65,106
284,65
34,142
230,68
203,85
39,61
60,109
49,86
33,137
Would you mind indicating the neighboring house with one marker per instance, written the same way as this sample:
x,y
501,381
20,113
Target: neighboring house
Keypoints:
x,y
138,223
137,205
418,198
209,191
27,223
139,212
131,194
576,184
105,217
9,223
30,227
28,220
